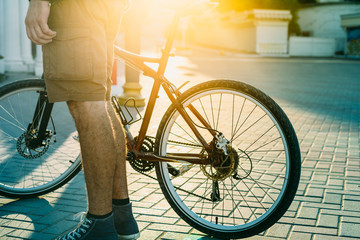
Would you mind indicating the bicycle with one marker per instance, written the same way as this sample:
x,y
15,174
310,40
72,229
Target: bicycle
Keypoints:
x,y
229,171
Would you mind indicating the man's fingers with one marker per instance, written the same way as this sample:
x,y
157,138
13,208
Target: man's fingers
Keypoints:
x,y
40,34
46,30
34,33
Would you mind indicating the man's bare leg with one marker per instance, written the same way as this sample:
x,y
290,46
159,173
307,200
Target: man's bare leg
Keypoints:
x,y
120,187
125,223
98,153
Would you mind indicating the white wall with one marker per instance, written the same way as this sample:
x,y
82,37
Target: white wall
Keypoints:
x,y
324,21
311,46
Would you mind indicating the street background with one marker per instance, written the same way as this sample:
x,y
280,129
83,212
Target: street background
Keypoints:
x,y
321,96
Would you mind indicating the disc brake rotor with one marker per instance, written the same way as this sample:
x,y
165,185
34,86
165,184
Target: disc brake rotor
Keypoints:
x,y
27,152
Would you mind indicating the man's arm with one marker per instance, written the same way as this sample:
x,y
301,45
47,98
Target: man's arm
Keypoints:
x,y
36,19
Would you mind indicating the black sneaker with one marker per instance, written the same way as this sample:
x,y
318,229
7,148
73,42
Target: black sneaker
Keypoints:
x,y
125,224
93,229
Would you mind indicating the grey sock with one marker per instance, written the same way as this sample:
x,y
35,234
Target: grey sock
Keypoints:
x,y
125,222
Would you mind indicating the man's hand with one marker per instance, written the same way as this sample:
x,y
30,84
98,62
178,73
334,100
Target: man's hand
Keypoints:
x,y
36,19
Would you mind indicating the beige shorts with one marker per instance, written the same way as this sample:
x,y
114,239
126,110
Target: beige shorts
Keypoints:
x,y
78,62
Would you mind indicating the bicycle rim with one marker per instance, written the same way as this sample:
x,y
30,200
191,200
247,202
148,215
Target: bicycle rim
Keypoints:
x,y
28,172
250,187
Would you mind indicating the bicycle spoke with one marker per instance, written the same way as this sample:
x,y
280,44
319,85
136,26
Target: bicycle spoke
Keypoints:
x,y
238,129
218,117
232,199
21,128
248,127
270,174
261,146
237,122
202,106
187,133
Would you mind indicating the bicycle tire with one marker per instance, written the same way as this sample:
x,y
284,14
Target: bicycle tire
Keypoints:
x,y
25,172
255,185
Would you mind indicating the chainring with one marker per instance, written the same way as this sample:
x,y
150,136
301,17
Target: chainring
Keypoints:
x,y
140,165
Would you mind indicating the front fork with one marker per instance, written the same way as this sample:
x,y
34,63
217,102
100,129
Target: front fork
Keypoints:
x,y
40,121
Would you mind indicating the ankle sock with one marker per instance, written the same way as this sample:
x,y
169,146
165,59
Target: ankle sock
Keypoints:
x,y
89,215
120,202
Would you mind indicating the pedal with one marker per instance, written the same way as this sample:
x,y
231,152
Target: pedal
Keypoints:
x,y
121,113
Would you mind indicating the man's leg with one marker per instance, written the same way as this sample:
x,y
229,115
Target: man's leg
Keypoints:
x,y
98,153
99,160
120,187
125,223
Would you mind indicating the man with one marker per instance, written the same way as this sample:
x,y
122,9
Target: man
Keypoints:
x,y
77,38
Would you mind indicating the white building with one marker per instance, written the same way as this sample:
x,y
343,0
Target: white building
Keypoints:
x,y
20,55
323,20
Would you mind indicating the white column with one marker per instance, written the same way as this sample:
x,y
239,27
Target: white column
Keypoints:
x,y
25,48
38,61
12,53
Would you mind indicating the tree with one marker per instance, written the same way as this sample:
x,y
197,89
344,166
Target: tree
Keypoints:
x,y
245,5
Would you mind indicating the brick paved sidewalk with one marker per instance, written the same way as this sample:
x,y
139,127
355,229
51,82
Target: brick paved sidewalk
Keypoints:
x,y
321,98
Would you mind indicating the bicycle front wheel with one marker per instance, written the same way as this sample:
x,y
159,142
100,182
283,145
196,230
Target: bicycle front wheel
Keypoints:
x,y
26,172
250,184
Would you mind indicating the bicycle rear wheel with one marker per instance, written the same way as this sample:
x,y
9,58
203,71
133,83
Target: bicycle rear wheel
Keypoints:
x,y
28,172
246,191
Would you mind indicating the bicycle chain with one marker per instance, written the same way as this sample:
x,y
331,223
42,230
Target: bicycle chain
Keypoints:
x,y
179,143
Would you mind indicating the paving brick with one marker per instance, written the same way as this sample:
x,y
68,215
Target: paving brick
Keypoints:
x,y
297,221
32,235
54,217
349,205
5,230
321,178
279,230
150,234
176,236
326,220
171,213
322,205
308,212
350,219
352,185
332,198
149,211
163,204
60,228
171,227
314,192
340,212
156,219
315,230
350,229
327,237
300,236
